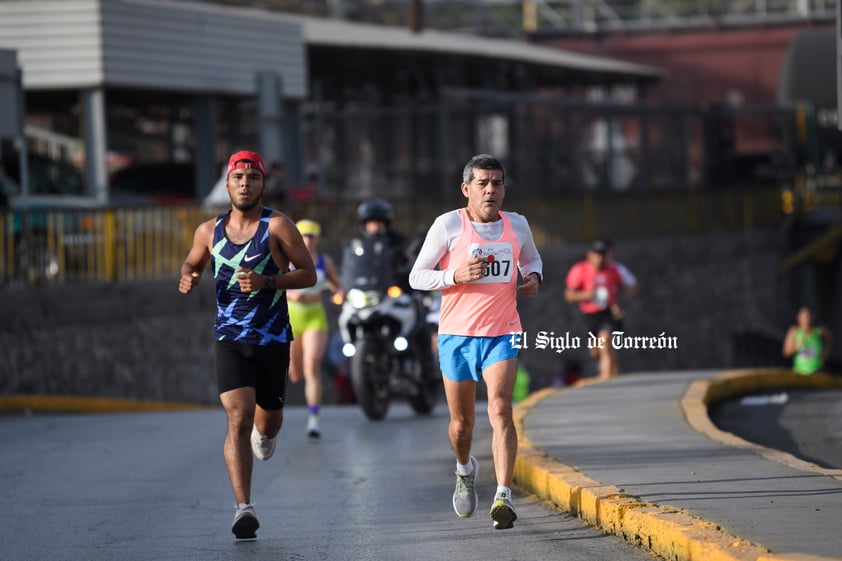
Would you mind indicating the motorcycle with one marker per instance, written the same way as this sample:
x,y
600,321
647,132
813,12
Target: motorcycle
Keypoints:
x,y
385,333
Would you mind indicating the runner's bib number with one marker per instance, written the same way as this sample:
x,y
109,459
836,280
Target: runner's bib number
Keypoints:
x,y
498,257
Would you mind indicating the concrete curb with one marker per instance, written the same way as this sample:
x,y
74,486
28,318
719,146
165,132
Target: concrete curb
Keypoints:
x,y
701,394
668,532
81,404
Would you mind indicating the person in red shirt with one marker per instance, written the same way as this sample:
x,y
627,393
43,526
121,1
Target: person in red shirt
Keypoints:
x,y
595,285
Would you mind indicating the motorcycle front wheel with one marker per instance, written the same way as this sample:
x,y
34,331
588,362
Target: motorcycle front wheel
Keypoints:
x,y
370,381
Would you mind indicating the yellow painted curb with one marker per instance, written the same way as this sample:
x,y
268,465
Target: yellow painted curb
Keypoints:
x,y
666,531
79,404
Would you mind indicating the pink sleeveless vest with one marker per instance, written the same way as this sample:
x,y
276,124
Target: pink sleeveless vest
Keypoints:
x,y
487,307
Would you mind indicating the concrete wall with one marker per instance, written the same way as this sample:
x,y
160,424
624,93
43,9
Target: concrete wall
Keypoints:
x,y
143,341
720,297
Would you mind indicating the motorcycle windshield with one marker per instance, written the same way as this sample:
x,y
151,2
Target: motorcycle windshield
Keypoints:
x,y
366,264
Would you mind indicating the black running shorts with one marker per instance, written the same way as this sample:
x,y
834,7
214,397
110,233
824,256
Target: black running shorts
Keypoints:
x,y
262,367
601,321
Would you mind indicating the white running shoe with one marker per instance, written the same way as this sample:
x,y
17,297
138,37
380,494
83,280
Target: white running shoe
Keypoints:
x,y
262,447
313,427
245,523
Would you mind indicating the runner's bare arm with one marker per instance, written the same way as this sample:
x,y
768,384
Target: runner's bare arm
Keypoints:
x,y
197,259
288,240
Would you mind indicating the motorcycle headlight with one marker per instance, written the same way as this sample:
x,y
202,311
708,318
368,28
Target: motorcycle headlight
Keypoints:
x,y
362,298
394,291
400,344
349,350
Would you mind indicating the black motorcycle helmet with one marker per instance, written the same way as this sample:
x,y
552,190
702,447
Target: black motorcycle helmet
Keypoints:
x,y
374,209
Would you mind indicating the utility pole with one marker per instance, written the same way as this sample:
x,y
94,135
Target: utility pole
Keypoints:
x,y
839,64
416,15
530,15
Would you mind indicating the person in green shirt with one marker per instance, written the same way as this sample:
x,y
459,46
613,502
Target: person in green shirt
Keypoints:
x,y
808,344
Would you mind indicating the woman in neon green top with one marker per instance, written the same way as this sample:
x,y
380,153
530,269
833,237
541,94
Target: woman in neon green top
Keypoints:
x,y
809,344
308,320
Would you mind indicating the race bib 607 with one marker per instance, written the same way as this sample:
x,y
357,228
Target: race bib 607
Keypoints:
x,y
499,260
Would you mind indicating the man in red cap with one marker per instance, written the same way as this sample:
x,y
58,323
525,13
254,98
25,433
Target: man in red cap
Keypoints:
x,y
256,253
245,159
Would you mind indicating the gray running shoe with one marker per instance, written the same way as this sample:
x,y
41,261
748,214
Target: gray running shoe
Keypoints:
x,y
464,497
503,513
245,523
262,447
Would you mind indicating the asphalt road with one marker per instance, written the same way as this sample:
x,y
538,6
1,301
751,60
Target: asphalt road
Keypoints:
x,y
807,424
153,486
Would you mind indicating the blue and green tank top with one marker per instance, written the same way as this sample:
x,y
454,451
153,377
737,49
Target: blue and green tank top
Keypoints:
x,y
260,317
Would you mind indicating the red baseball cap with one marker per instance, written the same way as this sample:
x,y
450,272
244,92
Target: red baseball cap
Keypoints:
x,y
246,159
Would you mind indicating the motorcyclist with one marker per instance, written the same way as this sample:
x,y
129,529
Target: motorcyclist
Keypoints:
x,y
378,259
375,218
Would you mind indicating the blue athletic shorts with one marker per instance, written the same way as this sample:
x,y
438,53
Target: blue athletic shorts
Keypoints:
x,y
464,358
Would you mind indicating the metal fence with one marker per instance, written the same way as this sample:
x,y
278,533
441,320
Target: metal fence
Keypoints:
x,y
113,244
133,244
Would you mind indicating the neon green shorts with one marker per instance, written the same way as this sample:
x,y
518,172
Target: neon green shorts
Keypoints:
x,y
304,317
